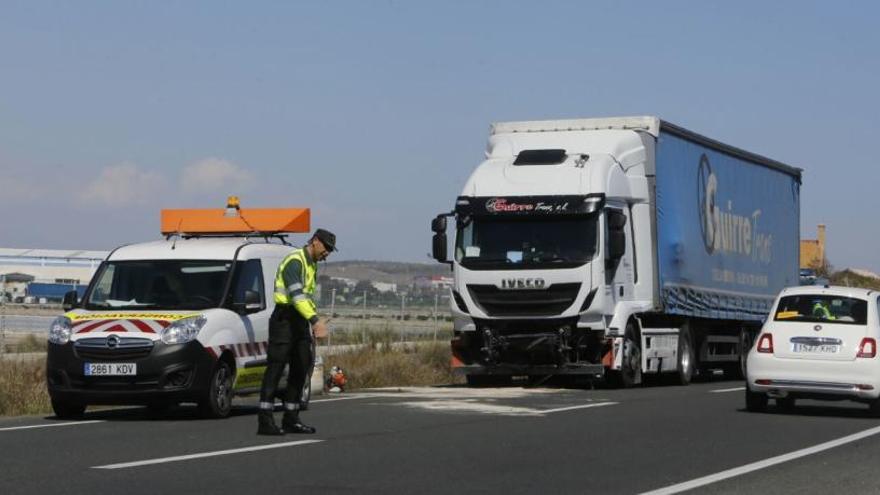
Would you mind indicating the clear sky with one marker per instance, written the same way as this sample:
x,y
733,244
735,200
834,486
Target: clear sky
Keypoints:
x,y
373,113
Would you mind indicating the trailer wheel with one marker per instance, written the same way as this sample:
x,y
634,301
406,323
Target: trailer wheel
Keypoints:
x,y
68,410
217,402
686,357
630,373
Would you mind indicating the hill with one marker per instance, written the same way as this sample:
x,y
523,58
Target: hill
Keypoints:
x,y
382,271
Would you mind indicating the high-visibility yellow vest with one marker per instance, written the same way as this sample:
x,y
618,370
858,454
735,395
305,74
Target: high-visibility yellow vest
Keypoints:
x,y
304,302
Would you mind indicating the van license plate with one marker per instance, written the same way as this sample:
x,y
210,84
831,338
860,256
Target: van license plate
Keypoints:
x,y
110,369
815,349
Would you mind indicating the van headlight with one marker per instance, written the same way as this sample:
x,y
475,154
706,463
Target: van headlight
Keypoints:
x,y
59,332
182,331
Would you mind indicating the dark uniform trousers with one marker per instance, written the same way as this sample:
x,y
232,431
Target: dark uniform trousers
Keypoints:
x,y
290,342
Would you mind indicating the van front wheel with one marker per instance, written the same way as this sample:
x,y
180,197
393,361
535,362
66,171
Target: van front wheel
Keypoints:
x,y
217,402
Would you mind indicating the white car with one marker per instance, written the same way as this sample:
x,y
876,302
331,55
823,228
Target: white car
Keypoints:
x,y
819,342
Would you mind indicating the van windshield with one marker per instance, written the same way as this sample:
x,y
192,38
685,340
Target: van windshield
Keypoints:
x,y
159,284
816,308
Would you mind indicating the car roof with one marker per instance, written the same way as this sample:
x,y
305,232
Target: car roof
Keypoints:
x,y
196,248
828,290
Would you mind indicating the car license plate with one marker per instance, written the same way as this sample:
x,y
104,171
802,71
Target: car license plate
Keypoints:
x,y
110,369
815,349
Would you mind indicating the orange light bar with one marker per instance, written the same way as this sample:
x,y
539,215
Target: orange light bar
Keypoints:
x,y
246,221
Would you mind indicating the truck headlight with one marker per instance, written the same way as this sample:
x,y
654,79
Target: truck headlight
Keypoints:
x,y
182,331
59,332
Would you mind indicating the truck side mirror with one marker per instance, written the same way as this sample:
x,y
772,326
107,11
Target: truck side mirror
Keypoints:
x,y
70,301
439,245
438,225
616,244
249,304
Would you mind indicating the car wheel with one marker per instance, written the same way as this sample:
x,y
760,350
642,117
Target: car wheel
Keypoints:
x,y
68,410
755,401
785,404
217,402
686,357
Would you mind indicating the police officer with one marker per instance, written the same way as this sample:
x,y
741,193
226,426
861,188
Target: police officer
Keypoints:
x,y
292,327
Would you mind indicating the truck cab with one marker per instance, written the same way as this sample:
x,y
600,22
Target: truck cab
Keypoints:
x,y
579,243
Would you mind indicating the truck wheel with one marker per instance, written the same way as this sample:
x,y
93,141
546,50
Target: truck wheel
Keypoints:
x,y
217,402
68,410
630,373
755,401
686,358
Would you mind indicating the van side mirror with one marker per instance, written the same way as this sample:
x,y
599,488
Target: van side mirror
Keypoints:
x,y
249,304
439,246
70,300
438,225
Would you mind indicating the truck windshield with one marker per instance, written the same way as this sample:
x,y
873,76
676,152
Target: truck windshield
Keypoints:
x,y
485,243
159,284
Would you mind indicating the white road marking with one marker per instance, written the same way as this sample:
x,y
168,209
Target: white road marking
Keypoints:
x,y
572,408
339,398
755,466
49,425
205,454
723,390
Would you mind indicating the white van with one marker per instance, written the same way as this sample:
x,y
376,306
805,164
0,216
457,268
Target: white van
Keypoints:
x,y
183,319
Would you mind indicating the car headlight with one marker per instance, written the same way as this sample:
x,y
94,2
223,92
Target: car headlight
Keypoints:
x,y
59,332
182,331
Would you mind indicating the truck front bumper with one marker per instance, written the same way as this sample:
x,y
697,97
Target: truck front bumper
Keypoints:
x,y
594,370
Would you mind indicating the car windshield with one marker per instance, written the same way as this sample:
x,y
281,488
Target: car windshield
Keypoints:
x,y
159,284
517,243
815,308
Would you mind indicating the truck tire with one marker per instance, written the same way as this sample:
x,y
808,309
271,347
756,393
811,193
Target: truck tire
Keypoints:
x,y
755,401
217,402
684,372
68,410
630,373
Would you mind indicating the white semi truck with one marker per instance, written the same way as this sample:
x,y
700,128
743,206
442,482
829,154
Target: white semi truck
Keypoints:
x,y
615,247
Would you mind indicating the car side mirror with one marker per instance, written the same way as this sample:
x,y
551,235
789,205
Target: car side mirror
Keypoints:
x,y
70,300
249,304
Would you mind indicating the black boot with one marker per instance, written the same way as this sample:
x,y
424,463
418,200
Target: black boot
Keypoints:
x,y
267,424
292,424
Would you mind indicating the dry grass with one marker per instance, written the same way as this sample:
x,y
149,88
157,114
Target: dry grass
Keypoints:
x,y
381,365
29,343
23,387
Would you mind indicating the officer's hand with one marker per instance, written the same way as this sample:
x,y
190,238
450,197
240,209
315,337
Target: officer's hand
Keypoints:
x,y
319,330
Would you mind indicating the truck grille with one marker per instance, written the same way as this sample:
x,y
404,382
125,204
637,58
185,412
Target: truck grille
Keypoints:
x,y
529,302
122,349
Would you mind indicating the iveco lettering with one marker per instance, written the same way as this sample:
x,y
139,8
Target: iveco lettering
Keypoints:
x,y
614,248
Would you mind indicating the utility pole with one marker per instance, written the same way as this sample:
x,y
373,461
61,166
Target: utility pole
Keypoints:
x,y
436,300
364,327
3,314
402,310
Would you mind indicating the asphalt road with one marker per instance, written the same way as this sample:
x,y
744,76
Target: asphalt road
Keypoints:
x,y
459,440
